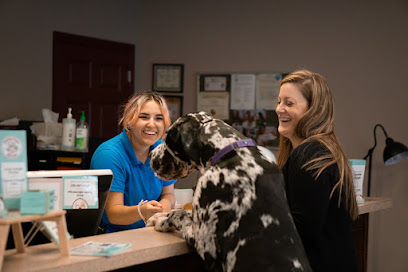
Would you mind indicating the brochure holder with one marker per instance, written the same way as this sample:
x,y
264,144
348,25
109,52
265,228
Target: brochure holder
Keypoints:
x,y
14,220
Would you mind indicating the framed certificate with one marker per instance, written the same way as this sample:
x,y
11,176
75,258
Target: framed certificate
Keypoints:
x,y
215,83
168,77
175,105
215,104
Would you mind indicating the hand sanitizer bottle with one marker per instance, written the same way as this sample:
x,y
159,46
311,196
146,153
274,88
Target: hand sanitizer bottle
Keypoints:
x,y
82,134
68,132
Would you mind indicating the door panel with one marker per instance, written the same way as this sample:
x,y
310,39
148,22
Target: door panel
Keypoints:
x,y
91,75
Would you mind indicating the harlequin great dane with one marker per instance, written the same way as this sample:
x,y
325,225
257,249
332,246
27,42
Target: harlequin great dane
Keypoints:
x,y
240,219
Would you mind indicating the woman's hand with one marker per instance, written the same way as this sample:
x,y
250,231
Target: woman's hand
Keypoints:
x,y
167,198
150,208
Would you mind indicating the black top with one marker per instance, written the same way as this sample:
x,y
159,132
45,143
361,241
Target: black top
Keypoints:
x,y
325,228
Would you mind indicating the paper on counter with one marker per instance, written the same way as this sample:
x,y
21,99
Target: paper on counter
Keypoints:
x,y
99,249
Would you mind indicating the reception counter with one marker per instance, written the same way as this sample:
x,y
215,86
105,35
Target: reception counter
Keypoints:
x,y
148,246
360,227
373,204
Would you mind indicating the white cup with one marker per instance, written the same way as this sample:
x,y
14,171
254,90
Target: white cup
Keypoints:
x,y
183,196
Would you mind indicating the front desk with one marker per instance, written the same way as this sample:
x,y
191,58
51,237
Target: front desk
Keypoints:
x,y
150,251
360,227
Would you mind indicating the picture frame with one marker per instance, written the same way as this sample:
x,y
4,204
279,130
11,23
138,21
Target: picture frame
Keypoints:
x,y
175,106
168,77
215,83
259,125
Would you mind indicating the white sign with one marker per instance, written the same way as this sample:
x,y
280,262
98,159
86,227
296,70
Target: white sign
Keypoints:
x,y
80,192
13,160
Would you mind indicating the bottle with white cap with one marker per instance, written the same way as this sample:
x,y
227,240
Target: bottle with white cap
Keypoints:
x,y
68,132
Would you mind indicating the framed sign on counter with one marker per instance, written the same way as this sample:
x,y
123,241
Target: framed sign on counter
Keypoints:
x,y
168,77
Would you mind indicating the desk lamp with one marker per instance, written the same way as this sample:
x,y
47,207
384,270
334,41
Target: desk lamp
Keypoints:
x,y
394,152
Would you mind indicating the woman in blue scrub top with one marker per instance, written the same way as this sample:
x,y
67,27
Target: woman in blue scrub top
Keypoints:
x,y
136,193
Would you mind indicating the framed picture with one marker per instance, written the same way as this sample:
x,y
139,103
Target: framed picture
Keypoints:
x,y
215,83
168,77
259,125
175,105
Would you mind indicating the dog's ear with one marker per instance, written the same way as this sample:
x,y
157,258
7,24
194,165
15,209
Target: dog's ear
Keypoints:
x,y
182,139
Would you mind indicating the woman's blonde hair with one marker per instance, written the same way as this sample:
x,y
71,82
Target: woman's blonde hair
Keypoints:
x,y
318,124
133,106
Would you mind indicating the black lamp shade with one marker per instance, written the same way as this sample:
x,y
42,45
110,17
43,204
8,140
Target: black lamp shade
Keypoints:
x,y
394,152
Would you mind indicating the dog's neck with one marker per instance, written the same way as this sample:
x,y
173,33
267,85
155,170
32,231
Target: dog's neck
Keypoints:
x,y
231,147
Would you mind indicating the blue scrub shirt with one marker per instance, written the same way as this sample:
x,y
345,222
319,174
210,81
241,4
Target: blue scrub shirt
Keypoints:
x,y
131,177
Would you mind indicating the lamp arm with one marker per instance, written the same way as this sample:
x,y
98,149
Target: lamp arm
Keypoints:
x,y
370,155
371,150
379,125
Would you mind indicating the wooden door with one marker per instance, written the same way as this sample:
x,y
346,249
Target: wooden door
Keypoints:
x,y
93,75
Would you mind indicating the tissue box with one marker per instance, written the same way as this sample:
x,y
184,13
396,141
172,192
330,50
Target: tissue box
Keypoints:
x,y
49,135
37,201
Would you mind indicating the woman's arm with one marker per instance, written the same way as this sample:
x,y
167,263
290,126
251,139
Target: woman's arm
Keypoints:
x,y
120,214
167,198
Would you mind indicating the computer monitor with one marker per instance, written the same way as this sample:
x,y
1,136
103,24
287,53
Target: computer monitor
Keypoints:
x,y
80,222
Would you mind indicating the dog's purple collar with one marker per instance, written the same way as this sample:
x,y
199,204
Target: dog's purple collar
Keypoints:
x,y
231,147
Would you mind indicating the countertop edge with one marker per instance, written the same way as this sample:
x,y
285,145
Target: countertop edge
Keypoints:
x,y
373,204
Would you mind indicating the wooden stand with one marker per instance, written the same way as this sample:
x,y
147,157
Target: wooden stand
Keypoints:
x,y
15,219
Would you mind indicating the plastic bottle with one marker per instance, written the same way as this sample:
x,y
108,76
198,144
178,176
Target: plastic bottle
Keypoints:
x,y
68,132
82,134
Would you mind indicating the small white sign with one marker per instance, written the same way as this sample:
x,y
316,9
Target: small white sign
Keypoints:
x,y
80,192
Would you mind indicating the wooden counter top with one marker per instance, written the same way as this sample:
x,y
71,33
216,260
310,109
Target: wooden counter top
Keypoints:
x,y
373,204
147,245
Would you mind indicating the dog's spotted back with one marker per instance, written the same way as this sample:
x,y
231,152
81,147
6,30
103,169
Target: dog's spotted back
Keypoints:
x,y
240,219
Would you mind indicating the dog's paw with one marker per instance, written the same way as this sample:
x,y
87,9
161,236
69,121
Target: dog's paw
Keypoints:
x,y
151,222
162,224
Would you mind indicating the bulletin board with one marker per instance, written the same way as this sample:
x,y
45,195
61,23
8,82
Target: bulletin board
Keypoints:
x,y
246,101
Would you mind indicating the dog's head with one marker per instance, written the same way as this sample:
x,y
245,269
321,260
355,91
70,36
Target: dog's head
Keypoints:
x,y
191,141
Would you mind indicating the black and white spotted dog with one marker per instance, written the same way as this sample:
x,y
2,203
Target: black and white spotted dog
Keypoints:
x,y
240,219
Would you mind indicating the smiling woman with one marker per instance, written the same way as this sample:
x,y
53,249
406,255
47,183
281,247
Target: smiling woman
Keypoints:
x,y
136,192
292,105
318,176
146,130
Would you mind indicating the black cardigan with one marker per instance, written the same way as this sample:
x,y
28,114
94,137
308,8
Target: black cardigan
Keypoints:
x,y
325,228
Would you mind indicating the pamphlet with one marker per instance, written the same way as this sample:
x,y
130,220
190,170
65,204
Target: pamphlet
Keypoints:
x,y
99,249
50,230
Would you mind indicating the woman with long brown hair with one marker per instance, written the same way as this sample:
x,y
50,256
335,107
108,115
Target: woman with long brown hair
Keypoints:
x,y
318,175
